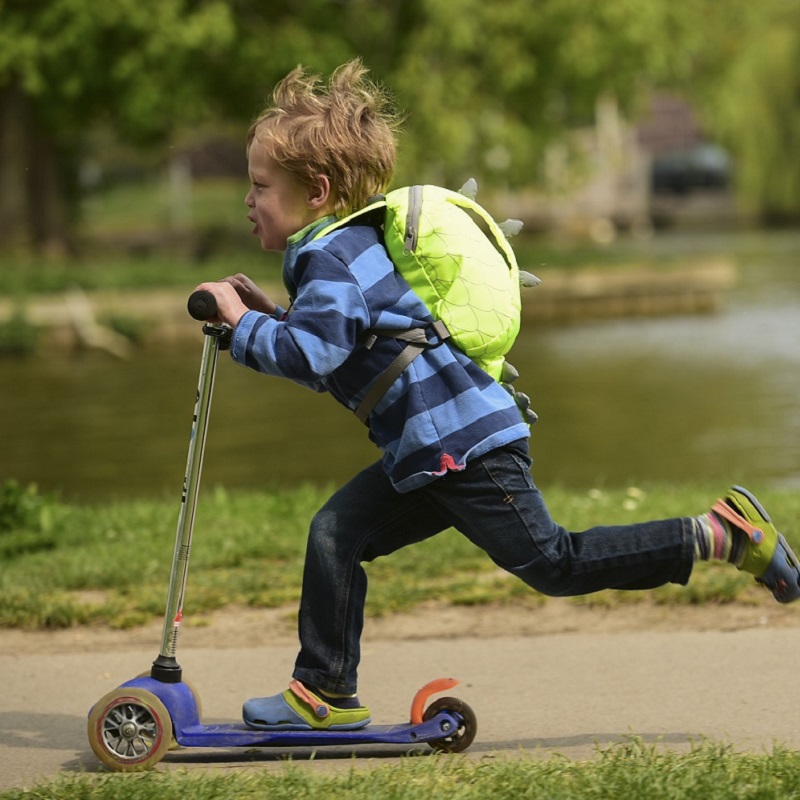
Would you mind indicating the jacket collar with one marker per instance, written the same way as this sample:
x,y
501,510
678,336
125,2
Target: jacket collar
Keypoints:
x,y
293,246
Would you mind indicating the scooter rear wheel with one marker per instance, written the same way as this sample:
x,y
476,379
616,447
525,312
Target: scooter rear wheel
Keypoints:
x,y
463,736
129,729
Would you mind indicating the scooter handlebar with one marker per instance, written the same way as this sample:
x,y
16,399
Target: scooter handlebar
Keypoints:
x,y
202,305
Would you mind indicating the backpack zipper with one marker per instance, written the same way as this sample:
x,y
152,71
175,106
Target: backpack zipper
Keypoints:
x,y
412,219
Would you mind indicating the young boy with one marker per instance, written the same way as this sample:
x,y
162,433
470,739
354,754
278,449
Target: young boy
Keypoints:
x,y
454,446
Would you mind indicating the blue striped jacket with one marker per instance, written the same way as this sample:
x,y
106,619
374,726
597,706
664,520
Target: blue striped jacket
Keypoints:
x,y
439,413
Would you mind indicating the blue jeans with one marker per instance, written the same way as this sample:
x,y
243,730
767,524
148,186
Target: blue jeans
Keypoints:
x,y
496,505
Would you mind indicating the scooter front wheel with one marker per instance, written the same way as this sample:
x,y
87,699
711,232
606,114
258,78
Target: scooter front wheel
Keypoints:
x,y
195,696
463,736
129,729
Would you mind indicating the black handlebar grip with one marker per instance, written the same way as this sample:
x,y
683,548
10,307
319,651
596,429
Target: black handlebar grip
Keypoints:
x,y
202,305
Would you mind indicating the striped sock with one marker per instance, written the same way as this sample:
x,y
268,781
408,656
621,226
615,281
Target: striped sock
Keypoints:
x,y
712,539
336,700
716,539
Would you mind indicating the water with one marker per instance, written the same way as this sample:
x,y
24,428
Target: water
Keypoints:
x,y
710,399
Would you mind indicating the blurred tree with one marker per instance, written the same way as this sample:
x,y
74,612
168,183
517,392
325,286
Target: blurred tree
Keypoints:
x,y
486,86
64,65
147,70
755,110
489,86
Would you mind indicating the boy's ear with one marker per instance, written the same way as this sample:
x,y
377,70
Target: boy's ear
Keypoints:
x,y
319,193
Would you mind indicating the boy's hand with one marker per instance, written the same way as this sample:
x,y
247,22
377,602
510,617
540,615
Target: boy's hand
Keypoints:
x,y
230,308
250,294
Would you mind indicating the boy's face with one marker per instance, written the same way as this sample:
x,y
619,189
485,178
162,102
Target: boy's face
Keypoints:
x,y
280,204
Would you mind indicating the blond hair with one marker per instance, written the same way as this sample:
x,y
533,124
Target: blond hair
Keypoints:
x,y
344,129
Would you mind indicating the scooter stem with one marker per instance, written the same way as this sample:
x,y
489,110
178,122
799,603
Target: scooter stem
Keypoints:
x,y
166,668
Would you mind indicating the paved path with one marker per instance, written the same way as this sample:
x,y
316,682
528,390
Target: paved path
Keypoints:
x,y
542,694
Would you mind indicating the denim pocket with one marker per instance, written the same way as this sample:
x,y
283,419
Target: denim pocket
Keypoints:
x,y
509,469
523,460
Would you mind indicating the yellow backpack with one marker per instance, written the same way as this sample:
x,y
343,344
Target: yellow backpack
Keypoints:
x,y
468,279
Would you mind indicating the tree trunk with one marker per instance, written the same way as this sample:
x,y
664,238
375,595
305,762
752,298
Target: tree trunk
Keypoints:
x,y
13,158
33,200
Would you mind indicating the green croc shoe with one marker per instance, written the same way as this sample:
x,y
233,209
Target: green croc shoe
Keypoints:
x,y
298,709
767,554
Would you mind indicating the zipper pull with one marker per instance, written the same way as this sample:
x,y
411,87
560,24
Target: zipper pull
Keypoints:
x,y
410,242
412,219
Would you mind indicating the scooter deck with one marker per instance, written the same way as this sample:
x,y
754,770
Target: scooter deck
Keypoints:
x,y
189,731
240,735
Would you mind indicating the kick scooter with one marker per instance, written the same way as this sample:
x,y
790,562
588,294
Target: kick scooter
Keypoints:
x,y
135,725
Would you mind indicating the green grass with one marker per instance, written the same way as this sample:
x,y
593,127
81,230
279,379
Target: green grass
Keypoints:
x,y
149,205
130,240
25,277
136,236
160,262
66,565
631,770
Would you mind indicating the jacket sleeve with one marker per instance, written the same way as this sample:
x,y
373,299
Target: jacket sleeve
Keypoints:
x,y
317,335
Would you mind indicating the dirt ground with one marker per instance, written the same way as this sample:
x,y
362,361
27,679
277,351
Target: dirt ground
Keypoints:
x,y
246,627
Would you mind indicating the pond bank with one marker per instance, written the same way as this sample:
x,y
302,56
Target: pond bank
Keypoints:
x,y
119,321
592,293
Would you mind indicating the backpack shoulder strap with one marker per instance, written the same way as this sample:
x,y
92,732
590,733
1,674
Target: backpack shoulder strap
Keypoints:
x,y
417,341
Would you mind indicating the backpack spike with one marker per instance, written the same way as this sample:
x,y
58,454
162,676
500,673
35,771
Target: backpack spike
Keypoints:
x,y
522,400
469,189
511,227
527,279
509,374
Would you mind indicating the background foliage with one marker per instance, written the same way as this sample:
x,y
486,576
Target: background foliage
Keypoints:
x,y
486,86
